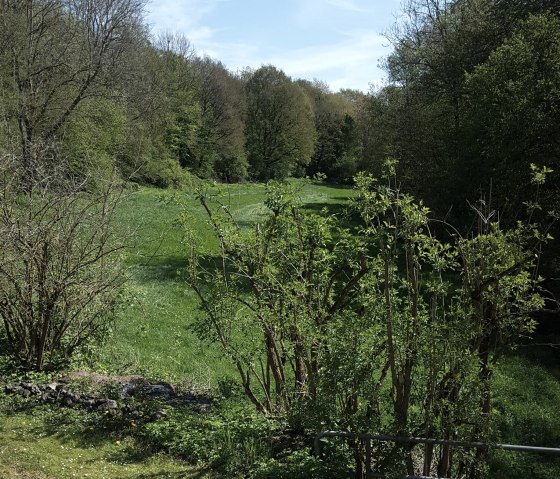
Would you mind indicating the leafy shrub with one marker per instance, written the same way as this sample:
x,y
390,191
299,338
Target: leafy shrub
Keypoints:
x,y
298,465
231,439
232,169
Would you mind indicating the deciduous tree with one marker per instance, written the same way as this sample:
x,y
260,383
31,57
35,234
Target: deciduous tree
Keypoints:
x,y
54,54
59,273
280,126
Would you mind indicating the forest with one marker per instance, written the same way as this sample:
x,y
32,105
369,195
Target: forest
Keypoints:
x,y
202,269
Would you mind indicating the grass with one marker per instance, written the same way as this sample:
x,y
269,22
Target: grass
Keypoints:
x,y
39,443
152,334
527,394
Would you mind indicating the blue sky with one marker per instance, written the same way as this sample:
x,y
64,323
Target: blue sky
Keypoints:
x,y
337,41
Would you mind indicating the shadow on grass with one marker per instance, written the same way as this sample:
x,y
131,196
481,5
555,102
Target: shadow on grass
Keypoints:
x,y
172,269
13,404
81,427
86,429
163,269
178,475
541,349
327,184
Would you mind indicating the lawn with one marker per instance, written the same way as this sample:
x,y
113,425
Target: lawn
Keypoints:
x,y
37,442
152,334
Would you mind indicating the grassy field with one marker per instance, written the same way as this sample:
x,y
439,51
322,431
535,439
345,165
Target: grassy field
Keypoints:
x,y
152,334
39,443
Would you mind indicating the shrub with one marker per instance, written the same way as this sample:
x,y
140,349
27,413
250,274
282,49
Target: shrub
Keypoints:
x,y
59,266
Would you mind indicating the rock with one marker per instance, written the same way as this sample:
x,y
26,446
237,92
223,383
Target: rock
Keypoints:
x,y
160,414
75,396
128,390
108,405
10,388
31,387
24,392
35,389
59,393
159,390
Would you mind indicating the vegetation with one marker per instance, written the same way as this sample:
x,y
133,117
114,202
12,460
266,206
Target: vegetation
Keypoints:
x,y
59,274
37,442
299,305
321,322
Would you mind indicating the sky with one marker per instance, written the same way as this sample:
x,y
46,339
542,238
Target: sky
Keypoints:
x,y
340,42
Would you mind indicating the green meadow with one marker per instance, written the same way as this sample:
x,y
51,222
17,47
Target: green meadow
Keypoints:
x,y
152,336
152,333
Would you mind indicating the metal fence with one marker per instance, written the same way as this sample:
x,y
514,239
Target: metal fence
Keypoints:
x,y
367,439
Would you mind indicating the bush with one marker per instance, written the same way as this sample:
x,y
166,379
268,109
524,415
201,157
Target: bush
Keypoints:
x,y
232,169
59,269
231,439
298,465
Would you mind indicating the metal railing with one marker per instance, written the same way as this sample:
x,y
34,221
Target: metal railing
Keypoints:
x,y
368,438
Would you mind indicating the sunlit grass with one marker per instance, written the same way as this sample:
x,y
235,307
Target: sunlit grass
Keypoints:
x,y
39,443
152,334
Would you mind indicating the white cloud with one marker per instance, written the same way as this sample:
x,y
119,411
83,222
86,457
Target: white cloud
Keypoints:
x,y
200,34
349,64
333,13
345,45
234,55
179,15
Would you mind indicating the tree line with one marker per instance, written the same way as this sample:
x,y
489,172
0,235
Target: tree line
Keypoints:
x,y
471,101
85,82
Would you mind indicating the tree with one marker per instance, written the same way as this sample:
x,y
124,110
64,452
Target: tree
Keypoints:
x,y
59,270
366,331
513,108
280,129
93,139
162,114
437,125
221,135
54,55
277,335
443,341
337,148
